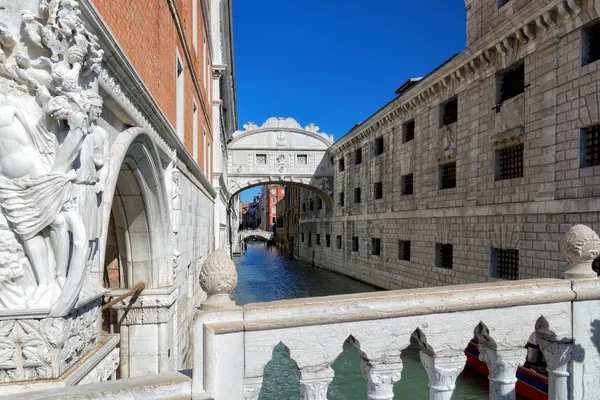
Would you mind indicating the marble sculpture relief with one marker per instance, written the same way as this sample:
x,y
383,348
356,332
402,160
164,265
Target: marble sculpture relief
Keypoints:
x,y
53,155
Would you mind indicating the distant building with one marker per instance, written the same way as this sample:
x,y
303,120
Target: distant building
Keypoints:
x,y
270,196
288,215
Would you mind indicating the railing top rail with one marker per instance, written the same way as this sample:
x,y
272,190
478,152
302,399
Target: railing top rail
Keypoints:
x,y
402,303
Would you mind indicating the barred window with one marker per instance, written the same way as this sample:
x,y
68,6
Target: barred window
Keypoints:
x,y
355,243
378,189
404,250
511,83
505,264
510,163
309,239
302,159
341,199
591,44
375,246
328,240
338,241
406,184
342,164
318,238
358,156
379,146
444,256
448,175
261,159
591,146
408,133
357,195
450,112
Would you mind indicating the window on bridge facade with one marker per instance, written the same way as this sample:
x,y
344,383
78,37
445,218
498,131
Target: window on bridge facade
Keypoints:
x,y
355,243
357,156
590,138
444,256
379,146
406,185
378,188
357,195
328,240
450,112
511,83
342,164
505,264
338,241
375,246
408,131
509,162
404,250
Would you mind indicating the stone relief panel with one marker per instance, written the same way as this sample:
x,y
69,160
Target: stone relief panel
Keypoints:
x,y
53,158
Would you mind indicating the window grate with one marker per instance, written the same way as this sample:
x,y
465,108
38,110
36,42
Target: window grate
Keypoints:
x,y
592,145
450,112
338,241
342,164
379,146
354,243
407,184
375,246
404,250
341,199
328,240
445,256
378,188
510,162
358,156
506,263
357,195
512,83
592,43
448,176
409,131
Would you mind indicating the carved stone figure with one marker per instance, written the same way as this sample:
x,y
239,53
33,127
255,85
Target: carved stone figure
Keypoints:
x,y
176,200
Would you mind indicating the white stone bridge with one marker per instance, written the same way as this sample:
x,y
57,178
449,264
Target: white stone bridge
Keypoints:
x,y
280,151
257,234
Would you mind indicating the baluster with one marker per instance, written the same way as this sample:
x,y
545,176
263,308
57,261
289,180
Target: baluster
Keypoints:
x,y
252,387
557,357
314,384
502,364
442,373
381,377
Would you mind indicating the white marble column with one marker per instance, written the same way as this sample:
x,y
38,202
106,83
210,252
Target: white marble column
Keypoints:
x,y
381,377
252,387
314,384
442,373
503,365
557,357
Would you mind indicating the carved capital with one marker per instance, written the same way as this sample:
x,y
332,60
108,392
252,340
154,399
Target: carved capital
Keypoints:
x,y
381,378
503,364
218,278
443,371
580,247
314,384
557,356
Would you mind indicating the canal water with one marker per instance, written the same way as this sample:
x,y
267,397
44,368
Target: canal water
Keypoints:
x,y
268,275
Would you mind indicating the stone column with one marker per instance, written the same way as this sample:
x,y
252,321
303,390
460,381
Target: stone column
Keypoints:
x,y
442,373
503,364
381,377
252,387
557,357
314,384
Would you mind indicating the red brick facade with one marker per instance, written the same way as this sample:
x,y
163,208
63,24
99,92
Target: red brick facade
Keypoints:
x,y
274,193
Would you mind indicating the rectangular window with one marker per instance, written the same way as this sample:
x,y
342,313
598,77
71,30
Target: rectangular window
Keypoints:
x,y
261,159
448,175
204,63
302,237
318,238
273,210
273,200
450,112
274,192
406,185
379,146
180,97
375,246
505,264
591,44
195,24
354,243
312,205
357,195
302,159
328,240
338,241
511,83
195,130
509,162
591,146
443,256
378,189
309,239
319,203
408,131
303,207
273,220
358,156
342,164
341,199
404,250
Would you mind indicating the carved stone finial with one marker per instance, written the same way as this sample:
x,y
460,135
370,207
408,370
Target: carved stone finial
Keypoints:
x,y
580,247
218,278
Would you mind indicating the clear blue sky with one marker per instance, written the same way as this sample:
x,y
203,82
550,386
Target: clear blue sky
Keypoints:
x,y
336,62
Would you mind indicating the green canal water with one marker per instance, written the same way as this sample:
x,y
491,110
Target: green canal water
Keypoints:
x,y
265,275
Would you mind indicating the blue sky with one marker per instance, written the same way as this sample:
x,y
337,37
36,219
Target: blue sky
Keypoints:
x,y
336,62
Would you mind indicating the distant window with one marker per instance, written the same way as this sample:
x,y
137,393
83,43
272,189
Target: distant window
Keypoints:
x,y
408,131
357,195
273,200
375,246
338,241
450,112
302,159
378,189
309,239
341,199
379,146
328,240
302,237
509,163
404,250
511,83
312,205
448,175
591,146
358,156
273,221
591,44
444,256
319,203
342,164
303,207
261,159
318,238
274,192
273,210
505,264
406,184
354,243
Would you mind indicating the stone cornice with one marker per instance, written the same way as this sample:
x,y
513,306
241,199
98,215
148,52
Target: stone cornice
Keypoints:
x,y
463,68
